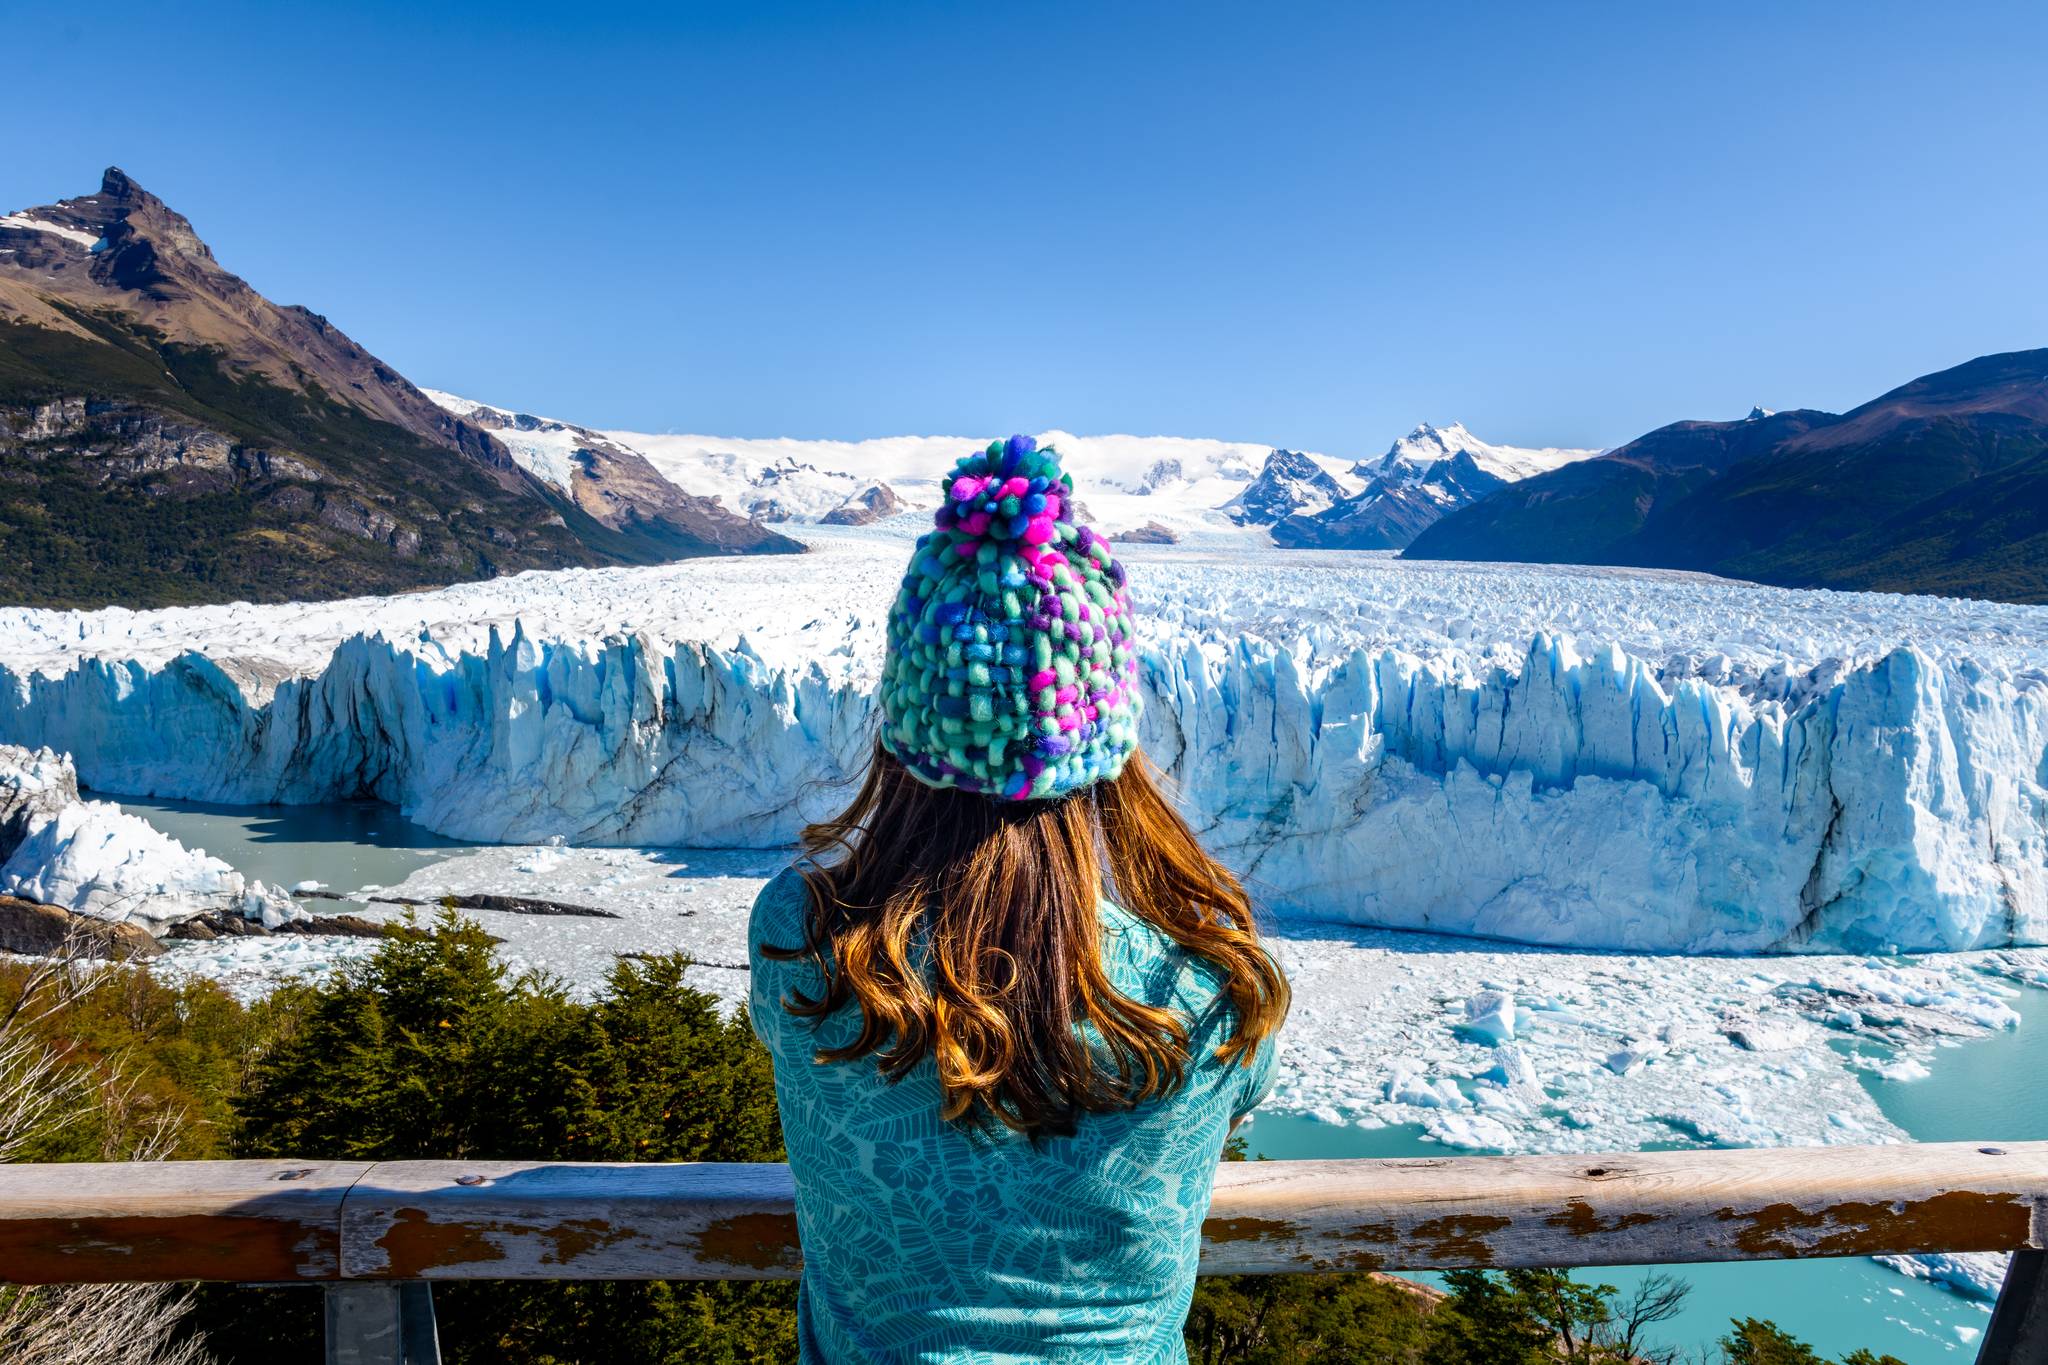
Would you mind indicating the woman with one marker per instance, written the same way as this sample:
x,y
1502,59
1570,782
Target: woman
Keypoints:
x,y
1014,1008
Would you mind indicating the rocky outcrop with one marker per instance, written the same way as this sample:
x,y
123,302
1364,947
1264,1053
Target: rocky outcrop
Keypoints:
x,y
215,924
870,504
37,930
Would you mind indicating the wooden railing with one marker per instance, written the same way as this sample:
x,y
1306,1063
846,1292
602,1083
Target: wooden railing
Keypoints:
x,y
377,1234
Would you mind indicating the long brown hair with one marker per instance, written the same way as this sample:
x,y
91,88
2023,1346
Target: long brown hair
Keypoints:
x,y
966,928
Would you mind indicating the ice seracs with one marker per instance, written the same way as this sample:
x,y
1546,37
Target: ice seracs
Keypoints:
x,y
93,858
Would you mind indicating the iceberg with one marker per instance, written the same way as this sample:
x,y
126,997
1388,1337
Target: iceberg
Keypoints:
x,y
1589,758
1490,1016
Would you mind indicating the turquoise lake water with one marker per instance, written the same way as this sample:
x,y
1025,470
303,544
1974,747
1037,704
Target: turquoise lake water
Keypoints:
x,y
345,845
1984,1090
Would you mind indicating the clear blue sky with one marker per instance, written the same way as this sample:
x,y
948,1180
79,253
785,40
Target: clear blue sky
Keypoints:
x,y
1300,224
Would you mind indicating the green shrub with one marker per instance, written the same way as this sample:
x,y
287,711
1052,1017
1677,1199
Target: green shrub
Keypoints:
x,y
429,1049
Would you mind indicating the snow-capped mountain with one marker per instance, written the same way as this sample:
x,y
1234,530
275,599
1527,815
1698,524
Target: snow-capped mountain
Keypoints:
x,y
1153,485
1422,450
612,482
1427,474
1156,488
1131,481
1291,484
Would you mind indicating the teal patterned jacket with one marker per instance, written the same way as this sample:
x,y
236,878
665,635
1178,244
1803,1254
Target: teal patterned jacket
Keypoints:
x,y
924,1243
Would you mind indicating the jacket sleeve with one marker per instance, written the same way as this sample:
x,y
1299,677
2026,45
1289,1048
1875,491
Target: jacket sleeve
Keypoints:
x,y
778,922
1258,1078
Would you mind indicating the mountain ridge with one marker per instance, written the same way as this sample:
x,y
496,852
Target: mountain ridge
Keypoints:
x,y
1422,477
168,434
1939,485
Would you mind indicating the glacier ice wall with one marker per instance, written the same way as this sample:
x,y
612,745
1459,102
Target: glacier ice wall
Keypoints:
x,y
93,858
1586,800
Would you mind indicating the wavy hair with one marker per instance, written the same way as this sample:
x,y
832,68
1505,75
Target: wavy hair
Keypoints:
x,y
968,929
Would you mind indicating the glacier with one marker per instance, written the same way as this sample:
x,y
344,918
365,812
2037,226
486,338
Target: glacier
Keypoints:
x,y
1615,759
93,858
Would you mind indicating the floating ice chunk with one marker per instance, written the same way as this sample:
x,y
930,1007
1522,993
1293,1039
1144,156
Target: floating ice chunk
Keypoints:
x,y
540,862
1638,1054
305,887
1470,1131
1515,1073
1754,1034
1490,1016
1497,1099
1973,1274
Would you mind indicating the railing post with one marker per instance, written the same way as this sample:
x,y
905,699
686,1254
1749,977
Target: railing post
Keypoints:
x,y
2018,1334
381,1324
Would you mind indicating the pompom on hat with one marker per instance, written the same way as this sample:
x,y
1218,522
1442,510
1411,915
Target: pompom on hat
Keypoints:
x,y
1011,669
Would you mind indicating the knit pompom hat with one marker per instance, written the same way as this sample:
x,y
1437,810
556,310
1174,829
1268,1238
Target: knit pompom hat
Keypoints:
x,y
1011,670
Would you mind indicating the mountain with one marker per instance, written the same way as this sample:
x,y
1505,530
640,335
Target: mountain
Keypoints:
x,y
1939,486
1290,484
167,434
1425,475
612,482
1131,480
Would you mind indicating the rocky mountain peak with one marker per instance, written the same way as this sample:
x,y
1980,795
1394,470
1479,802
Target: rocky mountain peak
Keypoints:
x,y
142,214
1289,484
331,447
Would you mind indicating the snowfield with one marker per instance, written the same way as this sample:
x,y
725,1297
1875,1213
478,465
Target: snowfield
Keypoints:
x,y
1611,759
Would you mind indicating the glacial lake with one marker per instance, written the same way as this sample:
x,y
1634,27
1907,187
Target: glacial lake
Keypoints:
x,y
1978,1090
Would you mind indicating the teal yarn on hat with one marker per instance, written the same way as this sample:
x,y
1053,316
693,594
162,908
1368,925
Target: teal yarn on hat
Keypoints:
x,y
1011,668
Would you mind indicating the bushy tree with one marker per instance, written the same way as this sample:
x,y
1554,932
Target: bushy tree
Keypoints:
x,y
1300,1319
1762,1342
430,1049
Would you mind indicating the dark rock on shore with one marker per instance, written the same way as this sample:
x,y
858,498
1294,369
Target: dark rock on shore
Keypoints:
x,y
38,930
507,905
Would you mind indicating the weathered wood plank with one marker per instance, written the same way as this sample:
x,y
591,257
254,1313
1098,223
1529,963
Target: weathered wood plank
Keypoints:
x,y
513,1220
510,1220
1639,1208
112,1222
